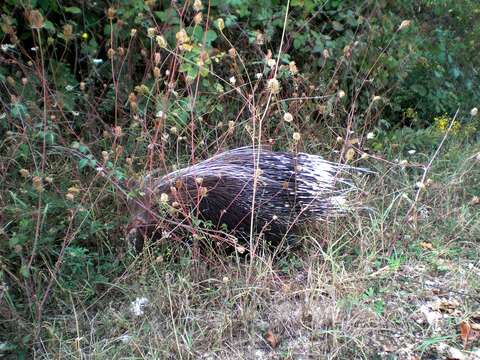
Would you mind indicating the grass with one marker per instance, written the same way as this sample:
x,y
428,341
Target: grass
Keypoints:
x,y
393,279
353,288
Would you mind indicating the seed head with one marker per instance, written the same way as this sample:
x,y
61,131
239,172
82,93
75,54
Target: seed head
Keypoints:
x,y
157,58
24,173
151,32
293,67
111,13
287,117
164,198
273,85
37,184
35,19
220,24
197,5
161,41
271,63
197,19
67,31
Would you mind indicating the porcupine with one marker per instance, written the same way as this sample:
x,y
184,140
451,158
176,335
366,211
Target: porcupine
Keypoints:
x,y
290,189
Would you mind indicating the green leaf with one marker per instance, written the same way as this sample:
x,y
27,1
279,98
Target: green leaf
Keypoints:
x,y
73,10
18,110
24,271
49,26
82,163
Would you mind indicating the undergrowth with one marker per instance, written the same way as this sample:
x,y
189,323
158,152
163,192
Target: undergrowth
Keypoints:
x,y
137,87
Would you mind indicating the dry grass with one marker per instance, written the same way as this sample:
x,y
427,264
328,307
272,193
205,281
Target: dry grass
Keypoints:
x,y
365,288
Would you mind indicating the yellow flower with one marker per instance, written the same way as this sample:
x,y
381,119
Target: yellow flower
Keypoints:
x,y
85,36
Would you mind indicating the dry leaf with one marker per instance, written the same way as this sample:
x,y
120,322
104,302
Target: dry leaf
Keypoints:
x,y
350,154
465,332
426,245
271,339
446,306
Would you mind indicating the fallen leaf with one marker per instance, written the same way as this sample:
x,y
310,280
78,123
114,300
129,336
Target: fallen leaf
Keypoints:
x,y
446,306
271,339
465,329
426,245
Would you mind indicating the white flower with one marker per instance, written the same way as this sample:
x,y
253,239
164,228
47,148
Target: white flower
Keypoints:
x,y
474,111
341,94
412,152
69,87
296,136
370,135
287,117
258,75
97,61
232,80
137,307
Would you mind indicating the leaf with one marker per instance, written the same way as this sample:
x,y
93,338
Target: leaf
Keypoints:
x,y
73,10
82,163
18,111
49,26
350,154
271,338
24,271
464,332
337,26
426,245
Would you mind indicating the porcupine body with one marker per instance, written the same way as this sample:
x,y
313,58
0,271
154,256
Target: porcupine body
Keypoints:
x,y
289,189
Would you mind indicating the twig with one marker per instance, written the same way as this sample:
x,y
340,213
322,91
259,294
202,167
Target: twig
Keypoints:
x,y
429,165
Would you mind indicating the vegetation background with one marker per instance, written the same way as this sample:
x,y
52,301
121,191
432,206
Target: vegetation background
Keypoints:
x,y
133,86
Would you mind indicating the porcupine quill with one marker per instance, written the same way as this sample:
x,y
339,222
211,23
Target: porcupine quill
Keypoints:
x,y
290,189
